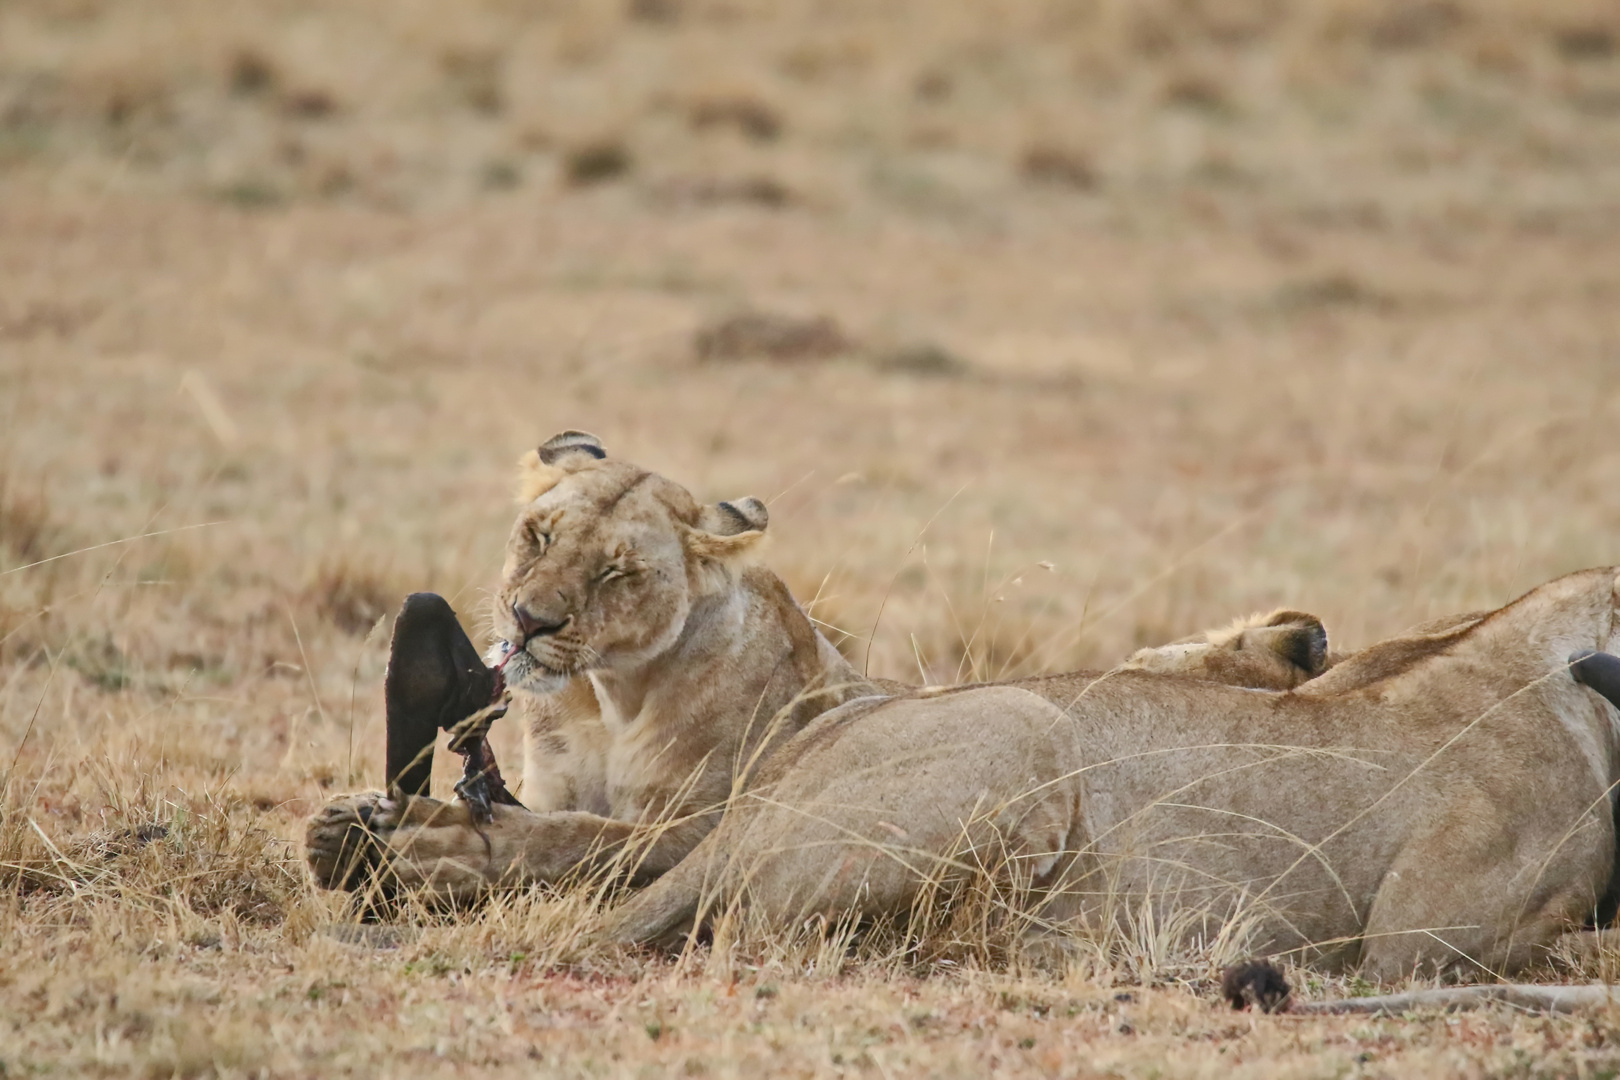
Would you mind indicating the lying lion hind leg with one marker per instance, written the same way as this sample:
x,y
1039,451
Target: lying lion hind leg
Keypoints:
x,y
1473,943
785,882
1446,906
663,913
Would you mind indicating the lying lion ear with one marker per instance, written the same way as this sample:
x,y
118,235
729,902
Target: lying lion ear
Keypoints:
x,y
728,529
540,470
1298,638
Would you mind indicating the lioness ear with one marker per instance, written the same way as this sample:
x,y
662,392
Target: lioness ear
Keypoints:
x,y
559,448
1298,638
726,530
540,470
731,518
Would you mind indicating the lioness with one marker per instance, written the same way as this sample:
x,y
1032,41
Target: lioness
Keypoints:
x,y
653,663
655,666
1440,801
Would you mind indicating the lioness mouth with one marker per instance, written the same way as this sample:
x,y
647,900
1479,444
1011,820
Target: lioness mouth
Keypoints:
x,y
507,652
539,666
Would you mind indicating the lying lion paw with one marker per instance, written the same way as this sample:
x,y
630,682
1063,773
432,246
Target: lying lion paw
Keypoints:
x,y
345,843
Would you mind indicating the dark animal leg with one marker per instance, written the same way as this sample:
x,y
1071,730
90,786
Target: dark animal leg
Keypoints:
x,y
435,680
1600,671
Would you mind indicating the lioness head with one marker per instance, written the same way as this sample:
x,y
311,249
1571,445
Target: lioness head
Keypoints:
x,y
1266,652
606,561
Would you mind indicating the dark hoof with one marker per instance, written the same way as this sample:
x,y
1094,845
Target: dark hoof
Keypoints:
x,y
435,680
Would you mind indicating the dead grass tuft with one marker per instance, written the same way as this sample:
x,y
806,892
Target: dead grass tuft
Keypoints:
x,y
353,594
476,76
102,663
28,532
766,191
755,335
1061,166
657,12
1416,25
1197,90
596,162
309,103
747,115
1591,42
129,96
1334,290
165,853
924,359
933,85
250,72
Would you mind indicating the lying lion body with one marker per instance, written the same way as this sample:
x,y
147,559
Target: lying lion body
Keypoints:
x,y
659,669
1439,801
1442,799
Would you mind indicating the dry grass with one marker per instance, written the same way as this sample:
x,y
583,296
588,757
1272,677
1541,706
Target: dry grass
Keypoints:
x,y
1243,304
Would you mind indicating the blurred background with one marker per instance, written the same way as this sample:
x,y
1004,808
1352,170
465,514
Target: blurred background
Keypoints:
x,y
1048,328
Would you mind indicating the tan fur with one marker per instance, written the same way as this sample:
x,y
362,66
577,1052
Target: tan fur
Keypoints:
x,y
534,478
650,709
1438,802
565,749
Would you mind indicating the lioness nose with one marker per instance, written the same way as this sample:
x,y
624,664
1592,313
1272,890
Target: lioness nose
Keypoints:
x,y
534,625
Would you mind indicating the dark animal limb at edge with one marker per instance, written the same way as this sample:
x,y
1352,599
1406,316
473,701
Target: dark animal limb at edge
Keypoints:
x,y
1259,984
437,681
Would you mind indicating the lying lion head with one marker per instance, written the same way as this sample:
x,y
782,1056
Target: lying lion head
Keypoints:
x,y
1264,652
606,561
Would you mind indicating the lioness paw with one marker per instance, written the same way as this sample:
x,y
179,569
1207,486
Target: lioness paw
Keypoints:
x,y
343,842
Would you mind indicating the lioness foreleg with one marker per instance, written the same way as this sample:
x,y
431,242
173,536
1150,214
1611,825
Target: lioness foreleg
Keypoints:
x,y
440,850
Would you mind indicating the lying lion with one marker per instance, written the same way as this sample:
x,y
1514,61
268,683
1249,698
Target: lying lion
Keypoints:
x,y
1439,802
655,667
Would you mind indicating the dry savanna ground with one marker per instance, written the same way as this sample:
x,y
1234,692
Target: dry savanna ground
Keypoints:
x,y
1048,329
